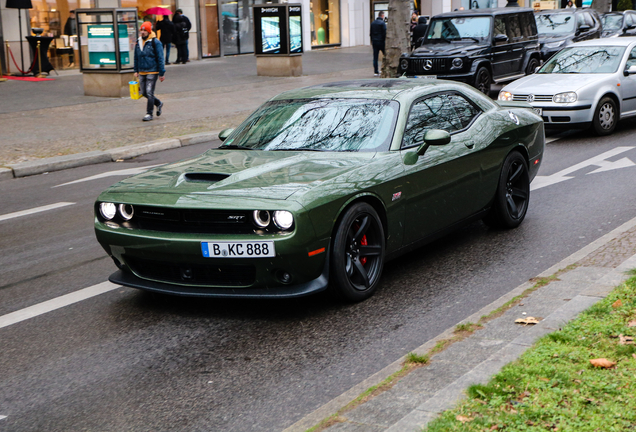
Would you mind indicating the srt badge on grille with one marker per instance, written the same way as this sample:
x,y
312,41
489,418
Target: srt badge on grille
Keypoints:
x,y
237,218
428,65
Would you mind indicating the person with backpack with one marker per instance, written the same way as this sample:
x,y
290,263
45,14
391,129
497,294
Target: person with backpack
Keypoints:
x,y
149,67
167,33
182,34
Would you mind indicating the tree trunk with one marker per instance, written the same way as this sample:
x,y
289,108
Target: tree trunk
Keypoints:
x,y
398,37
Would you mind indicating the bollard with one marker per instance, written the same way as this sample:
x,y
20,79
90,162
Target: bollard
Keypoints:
x,y
39,75
8,62
2,79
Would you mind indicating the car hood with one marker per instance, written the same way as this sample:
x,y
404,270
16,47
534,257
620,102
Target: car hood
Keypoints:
x,y
243,173
549,84
447,49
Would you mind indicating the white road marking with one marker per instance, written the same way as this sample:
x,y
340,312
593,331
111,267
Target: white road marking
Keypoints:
x,y
599,161
34,210
552,139
124,172
56,303
2,417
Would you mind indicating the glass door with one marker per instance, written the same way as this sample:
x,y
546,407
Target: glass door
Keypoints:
x,y
209,13
237,26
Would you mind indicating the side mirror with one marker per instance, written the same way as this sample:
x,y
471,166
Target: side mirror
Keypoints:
x,y
433,137
501,38
631,70
225,133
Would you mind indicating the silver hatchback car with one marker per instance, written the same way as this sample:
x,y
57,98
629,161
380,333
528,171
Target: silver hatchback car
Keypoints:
x,y
589,83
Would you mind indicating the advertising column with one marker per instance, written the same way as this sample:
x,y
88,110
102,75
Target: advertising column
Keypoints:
x,y
278,39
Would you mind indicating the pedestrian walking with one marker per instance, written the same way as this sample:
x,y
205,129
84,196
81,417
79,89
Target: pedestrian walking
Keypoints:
x,y
413,22
167,33
180,38
149,67
419,31
187,25
378,36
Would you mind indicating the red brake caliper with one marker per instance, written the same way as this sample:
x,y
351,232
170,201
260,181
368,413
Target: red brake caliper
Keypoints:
x,y
363,242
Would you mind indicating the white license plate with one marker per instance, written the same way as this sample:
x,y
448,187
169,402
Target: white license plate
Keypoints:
x,y
426,76
538,111
246,249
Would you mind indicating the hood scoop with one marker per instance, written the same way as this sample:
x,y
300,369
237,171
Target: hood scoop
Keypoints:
x,y
205,177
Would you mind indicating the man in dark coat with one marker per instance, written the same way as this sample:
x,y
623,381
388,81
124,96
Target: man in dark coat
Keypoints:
x,y
149,67
167,33
186,26
419,31
378,36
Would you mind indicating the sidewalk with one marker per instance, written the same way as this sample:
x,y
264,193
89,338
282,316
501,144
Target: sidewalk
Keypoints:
x,y
582,280
52,118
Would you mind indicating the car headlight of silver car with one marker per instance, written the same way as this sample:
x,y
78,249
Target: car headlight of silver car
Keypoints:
x,y
404,64
554,44
566,97
505,96
283,219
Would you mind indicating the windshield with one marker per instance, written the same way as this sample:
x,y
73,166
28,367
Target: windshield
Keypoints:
x,y
555,23
353,125
585,60
612,22
457,29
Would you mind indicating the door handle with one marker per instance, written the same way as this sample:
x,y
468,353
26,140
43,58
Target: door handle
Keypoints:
x,y
469,144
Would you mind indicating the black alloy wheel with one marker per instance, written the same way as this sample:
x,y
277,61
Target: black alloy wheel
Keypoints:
x,y
358,253
483,81
605,117
532,65
513,194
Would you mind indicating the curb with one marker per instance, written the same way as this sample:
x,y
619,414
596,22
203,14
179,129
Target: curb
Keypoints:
x,y
59,163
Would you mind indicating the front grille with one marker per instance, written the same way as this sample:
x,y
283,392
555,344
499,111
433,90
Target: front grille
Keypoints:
x,y
193,274
537,98
437,65
192,220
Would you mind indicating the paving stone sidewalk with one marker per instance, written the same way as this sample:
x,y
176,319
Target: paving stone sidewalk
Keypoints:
x,y
420,396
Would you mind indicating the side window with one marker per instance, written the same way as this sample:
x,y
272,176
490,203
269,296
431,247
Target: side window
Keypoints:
x,y
528,25
435,112
580,20
514,29
629,20
631,60
589,20
500,28
466,112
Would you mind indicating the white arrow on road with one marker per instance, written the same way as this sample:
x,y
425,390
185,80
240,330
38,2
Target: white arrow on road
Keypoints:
x,y
599,161
124,172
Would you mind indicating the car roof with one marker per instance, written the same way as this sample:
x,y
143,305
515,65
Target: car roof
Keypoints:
x,y
557,11
621,41
364,88
483,12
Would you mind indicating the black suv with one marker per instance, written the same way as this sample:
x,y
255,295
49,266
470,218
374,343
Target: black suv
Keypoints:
x,y
477,47
560,27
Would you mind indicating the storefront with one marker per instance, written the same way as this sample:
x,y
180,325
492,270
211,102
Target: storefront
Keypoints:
x,y
324,22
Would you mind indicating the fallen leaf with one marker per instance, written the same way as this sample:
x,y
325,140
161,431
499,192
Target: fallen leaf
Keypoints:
x,y
494,427
544,379
464,419
481,401
578,381
618,303
625,340
603,363
631,324
527,321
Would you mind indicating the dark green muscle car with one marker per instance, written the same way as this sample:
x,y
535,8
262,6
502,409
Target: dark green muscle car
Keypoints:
x,y
319,187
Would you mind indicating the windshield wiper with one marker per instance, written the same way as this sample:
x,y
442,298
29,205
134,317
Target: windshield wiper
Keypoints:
x,y
470,37
234,147
296,149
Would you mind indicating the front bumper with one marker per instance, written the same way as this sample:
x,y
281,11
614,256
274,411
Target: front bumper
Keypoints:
x,y
566,116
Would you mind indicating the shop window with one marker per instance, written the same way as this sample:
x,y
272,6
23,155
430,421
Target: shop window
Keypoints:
x,y
324,19
57,21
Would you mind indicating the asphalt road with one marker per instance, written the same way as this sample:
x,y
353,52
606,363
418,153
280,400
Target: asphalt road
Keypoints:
x,y
126,360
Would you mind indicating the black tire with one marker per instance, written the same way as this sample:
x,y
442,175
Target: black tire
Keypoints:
x,y
483,80
356,267
513,194
605,116
532,65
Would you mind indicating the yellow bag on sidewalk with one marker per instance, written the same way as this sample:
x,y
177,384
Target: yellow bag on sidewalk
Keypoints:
x,y
134,90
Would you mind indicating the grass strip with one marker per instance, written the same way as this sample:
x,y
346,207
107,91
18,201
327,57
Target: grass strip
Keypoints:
x,y
554,387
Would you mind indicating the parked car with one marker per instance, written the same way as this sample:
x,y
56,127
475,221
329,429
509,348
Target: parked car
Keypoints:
x,y
477,47
319,187
561,27
619,24
590,83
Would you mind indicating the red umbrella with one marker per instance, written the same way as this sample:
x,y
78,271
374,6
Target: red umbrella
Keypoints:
x,y
158,11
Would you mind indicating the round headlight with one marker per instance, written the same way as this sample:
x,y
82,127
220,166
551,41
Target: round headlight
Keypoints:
x,y
505,96
458,63
261,218
404,64
126,211
283,219
108,210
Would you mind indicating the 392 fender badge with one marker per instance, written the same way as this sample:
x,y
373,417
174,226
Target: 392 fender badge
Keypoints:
x,y
396,196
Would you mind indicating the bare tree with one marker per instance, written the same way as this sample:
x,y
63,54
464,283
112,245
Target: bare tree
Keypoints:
x,y
397,36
